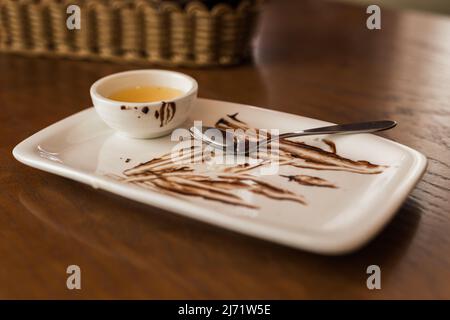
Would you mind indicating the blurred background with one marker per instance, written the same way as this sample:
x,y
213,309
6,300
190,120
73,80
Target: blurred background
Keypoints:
x,y
188,33
436,6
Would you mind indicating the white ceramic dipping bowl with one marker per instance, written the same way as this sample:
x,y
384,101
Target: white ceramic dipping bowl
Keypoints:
x,y
144,119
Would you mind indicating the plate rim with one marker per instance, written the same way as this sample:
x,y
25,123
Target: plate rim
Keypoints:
x,y
322,243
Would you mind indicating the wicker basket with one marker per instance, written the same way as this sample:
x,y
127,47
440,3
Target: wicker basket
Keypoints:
x,y
157,32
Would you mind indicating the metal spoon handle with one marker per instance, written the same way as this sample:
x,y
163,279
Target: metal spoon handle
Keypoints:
x,y
361,127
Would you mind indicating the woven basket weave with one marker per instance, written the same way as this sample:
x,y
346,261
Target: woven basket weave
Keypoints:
x,y
160,32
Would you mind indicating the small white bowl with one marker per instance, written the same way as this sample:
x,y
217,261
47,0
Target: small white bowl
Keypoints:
x,y
146,119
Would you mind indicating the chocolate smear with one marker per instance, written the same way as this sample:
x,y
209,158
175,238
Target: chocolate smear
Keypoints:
x,y
234,117
166,113
177,175
310,181
162,111
173,110
331,144
207,194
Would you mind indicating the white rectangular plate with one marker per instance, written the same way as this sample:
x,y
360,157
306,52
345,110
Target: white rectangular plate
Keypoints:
x,y
331,221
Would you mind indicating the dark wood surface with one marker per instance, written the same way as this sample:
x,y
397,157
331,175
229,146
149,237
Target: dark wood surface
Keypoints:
x,y
314,59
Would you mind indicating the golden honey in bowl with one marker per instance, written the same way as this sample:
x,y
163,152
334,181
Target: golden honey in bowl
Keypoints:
x,y
145,94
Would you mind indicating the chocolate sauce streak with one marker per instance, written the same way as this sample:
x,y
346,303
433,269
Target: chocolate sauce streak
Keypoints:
x,y
234,117
174,110
331,144
175,174
310,181
166,113
162,111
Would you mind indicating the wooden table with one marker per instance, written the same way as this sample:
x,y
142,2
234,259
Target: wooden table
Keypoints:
x,y
315,59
